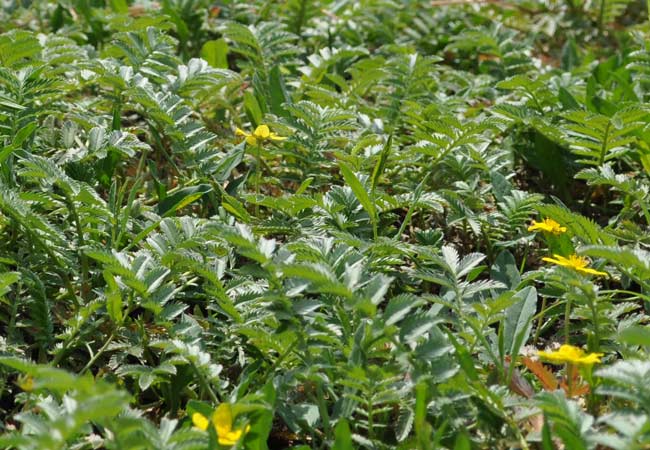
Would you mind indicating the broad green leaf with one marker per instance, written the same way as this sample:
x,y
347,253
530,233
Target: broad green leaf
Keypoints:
x,y
229,162
181,198
381,162
505,270
635,335
278,92
359,190
462,442
235,207
518,323
215,52
253,109
113,298
342,436
119,6
6,280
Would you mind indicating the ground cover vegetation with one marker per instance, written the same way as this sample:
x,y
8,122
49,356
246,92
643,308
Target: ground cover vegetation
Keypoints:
x,y
324,224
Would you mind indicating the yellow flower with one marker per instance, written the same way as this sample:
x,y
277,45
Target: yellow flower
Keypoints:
x,y
259,136
26,383
548,225
574,262
222,419
200,421
571,355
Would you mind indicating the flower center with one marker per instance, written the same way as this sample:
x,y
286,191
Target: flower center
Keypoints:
x,y
578,261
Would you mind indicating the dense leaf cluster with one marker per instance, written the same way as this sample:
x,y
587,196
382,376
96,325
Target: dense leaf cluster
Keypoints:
x,y
362,273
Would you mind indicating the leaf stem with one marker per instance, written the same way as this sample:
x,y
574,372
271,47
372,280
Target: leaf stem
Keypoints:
x,y
603,147
99,352
540,318
258,179
567,320
83,259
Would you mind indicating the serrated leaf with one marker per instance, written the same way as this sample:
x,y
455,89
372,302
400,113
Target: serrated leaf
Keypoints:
x,y
381,163
215,52
359,190
181,198
518,319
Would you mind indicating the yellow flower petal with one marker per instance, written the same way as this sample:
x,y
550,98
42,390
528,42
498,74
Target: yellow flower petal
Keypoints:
x,y
200,421
575,262
275,137
591,358
568,354
222,419
26,383
548,225
262,132
229,438
559,262
591,271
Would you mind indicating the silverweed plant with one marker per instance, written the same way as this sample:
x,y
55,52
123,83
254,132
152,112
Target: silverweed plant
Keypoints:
x,y
376,224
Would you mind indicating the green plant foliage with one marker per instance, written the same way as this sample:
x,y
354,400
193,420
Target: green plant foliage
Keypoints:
x,y
324,224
